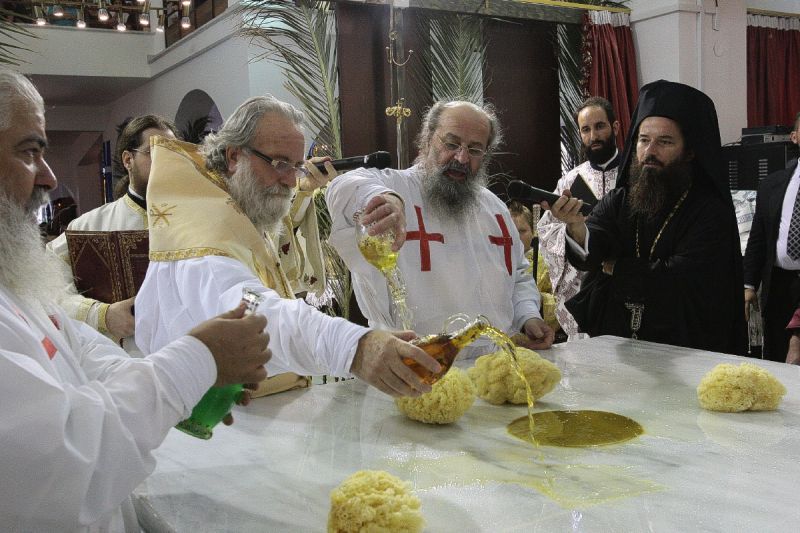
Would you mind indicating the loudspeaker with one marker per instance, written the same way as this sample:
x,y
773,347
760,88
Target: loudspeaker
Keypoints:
x,y
747,164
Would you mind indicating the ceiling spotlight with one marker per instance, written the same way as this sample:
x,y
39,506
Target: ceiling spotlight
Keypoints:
x,y
141,1
102,14
80,24
40,21
186,2
58,11
120,26
186,23
144,19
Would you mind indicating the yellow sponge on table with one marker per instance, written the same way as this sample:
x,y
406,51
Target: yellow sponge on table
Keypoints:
x,y
449,398
497,382
746,387
372,501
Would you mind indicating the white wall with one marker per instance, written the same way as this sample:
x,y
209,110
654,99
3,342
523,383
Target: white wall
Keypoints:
x,y
63,50
699,44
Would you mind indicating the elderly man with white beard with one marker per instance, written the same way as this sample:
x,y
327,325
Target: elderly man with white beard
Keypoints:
x,y
213,217
80,418
461,252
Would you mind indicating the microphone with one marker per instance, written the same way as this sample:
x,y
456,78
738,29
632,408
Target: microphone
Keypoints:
x,y
519,190
379,160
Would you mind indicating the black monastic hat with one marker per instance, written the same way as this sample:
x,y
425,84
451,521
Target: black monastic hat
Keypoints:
x,y
694,111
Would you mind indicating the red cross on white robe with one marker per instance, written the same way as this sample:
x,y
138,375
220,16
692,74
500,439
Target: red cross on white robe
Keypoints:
x,y
503,240
47,344
424,240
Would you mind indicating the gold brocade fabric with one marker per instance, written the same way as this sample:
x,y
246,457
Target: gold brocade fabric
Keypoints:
x,y
191,214
300,249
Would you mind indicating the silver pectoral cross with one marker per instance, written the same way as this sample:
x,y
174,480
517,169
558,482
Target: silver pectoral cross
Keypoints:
x,y
637,310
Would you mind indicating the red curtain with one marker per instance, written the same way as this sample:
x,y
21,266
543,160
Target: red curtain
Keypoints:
x,y
612,64
773,74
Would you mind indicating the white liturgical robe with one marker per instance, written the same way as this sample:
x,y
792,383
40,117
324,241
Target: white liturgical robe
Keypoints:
x,y
177,295
476,267
204,251
566,279
121,215
80,418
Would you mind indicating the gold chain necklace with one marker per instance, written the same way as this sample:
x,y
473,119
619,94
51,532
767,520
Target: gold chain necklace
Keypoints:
x,y
663,226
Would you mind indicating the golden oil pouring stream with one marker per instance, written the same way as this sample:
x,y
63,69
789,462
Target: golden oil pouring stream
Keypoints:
x,y
509,348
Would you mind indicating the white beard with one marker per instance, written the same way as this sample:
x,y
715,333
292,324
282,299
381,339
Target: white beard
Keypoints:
x,y
264,206
27,269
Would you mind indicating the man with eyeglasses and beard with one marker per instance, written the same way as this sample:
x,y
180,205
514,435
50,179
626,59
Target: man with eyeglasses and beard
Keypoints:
x,y
666,237
461,252
599,129
215,212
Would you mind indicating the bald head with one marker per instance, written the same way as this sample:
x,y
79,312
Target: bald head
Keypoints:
x,y
432,121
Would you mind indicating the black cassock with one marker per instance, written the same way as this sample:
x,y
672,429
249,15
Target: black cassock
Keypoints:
x,y
690,288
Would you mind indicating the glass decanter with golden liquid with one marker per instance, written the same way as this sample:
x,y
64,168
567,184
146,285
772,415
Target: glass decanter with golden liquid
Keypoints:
x,y
445,347
377,250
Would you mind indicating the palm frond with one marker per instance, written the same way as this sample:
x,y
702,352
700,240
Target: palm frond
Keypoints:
x,y
457,55
570,81
300,38
10,38
338,274
196,130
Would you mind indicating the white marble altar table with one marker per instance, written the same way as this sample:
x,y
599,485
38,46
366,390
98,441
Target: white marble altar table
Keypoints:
x,y
692,470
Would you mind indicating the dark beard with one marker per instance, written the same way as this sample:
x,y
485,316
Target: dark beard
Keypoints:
x,y
598,156
654,190
452,200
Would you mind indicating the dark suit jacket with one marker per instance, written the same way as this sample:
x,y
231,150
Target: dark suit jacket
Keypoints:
x,y
759,257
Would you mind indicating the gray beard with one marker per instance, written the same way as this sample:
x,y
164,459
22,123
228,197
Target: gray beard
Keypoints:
x,y
265,207
452,201
27,269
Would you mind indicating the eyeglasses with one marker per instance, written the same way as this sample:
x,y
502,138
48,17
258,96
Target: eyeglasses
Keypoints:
x,y
281,167
145,152
472,151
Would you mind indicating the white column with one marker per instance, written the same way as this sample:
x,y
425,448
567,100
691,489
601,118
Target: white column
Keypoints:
x,y
700,44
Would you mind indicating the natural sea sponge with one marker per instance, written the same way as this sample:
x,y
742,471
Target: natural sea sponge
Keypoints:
x,y
372,501
497,382
449,398
746,387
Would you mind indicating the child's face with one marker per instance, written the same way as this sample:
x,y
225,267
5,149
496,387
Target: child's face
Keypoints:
x,y
524,230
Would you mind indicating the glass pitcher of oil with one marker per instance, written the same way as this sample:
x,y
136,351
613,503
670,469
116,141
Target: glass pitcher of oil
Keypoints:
x,y
444,347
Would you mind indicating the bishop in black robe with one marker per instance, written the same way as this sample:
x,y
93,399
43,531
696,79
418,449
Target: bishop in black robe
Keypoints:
x,y
681,284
